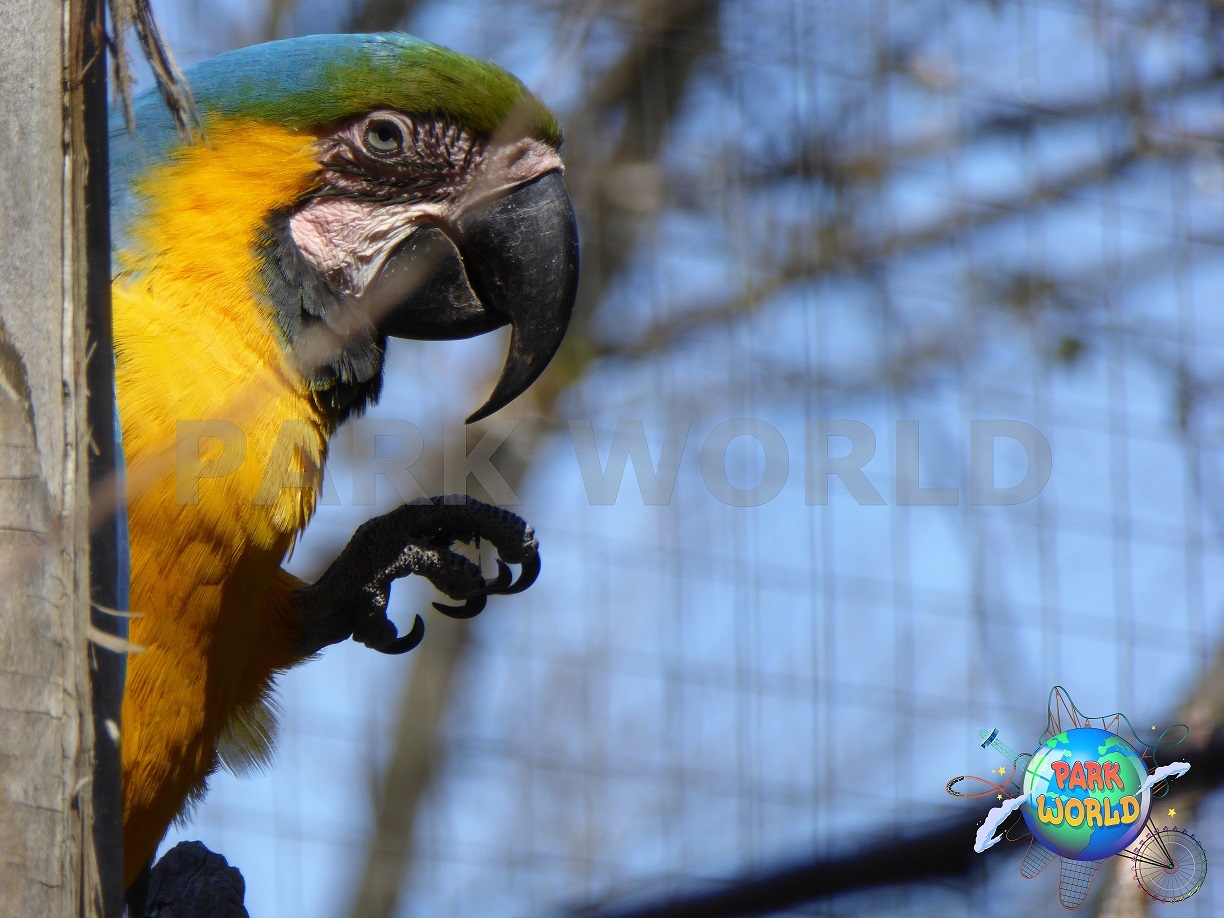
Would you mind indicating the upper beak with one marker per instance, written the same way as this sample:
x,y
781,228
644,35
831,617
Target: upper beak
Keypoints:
x,y
512,260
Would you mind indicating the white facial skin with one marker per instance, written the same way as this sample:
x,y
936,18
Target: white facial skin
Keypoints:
x,y
389,174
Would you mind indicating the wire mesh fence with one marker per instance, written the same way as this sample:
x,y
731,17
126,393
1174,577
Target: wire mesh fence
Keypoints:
x,y
811,230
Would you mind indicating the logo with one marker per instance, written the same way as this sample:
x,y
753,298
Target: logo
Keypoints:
x,y
1084,795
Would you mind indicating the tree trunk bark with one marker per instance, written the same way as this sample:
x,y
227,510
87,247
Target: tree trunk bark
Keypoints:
x,y
46,728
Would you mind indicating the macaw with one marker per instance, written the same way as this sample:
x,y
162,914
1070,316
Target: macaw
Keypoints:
x,y
345,188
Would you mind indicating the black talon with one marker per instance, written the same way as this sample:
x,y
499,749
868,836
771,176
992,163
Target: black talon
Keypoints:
x,y
469,609
406,642
501,582
528,575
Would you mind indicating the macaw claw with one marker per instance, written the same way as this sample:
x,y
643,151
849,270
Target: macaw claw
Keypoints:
x,y
405,642
350,599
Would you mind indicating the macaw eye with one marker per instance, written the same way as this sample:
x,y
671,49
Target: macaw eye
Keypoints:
x,y
384,136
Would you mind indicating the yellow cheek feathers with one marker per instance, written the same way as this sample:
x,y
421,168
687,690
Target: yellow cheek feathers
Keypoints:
x,y
225,448
211,406
205,205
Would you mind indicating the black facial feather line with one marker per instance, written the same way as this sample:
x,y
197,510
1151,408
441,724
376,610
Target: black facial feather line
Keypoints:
x,y
312,315
434,162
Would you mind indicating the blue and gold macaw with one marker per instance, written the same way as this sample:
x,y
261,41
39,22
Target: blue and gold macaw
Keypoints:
x,y
346,188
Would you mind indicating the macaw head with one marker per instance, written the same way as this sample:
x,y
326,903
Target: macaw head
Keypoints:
x,y
359,186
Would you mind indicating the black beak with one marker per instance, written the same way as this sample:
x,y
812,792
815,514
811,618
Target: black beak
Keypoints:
x,y
513,260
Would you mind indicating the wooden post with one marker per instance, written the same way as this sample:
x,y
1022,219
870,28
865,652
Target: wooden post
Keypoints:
x,y
108,574
46,727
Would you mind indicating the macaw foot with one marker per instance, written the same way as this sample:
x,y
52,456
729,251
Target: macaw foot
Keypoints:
x,y
350,599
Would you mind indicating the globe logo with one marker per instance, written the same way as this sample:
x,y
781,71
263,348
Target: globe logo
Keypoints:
x,y
1085,797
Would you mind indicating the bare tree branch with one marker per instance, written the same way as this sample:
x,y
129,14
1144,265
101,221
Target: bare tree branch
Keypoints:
x,y
379,15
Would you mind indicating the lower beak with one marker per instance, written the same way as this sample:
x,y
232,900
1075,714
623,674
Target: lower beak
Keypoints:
x,y
513,260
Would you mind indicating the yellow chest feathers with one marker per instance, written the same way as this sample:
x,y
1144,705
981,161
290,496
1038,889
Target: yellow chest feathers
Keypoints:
x,y
217,423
